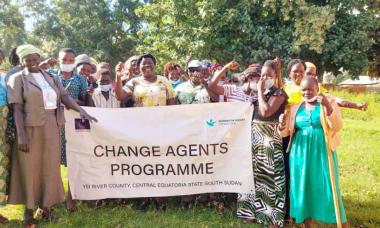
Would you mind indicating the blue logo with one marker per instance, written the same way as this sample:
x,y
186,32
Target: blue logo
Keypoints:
x,y
211,123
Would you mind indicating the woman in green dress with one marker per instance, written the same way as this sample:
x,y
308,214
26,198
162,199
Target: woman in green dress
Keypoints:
x,y
313,126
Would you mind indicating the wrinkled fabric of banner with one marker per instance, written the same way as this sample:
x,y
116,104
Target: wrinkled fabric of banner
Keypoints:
x,y
160,151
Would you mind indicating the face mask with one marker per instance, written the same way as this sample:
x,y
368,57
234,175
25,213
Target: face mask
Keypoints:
x,y
313,99
67,67
105,88
175,82
253,86
269,83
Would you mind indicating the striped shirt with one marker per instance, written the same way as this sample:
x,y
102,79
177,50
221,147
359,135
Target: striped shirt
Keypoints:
x,y
235,93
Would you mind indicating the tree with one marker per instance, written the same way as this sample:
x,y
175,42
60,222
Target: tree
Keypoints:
x,y
105,30
11,26
325,32
348,42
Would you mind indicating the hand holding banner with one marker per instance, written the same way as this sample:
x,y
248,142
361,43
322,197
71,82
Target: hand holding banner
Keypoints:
x,y
161,151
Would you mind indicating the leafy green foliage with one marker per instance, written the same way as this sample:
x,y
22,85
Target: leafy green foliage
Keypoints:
x,y
332,34
11,26
103,29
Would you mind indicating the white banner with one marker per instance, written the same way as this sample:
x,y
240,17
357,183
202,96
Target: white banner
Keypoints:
x,y
160,151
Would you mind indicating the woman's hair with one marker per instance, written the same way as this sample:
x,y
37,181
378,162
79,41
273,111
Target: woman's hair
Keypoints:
x,y
311,79
14,60
275,66
169,67
67,50
294,62
146,56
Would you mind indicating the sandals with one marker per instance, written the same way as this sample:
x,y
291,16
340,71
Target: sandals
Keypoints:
x,y
47,215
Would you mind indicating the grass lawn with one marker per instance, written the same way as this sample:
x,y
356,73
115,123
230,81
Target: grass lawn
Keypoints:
x,y
359,164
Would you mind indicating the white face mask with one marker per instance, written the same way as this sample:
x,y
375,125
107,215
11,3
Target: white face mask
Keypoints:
x,y
316,98
269,83
105,88
67,67
175,82
253,86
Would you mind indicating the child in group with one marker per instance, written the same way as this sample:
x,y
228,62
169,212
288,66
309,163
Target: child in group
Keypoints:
x,y
104,96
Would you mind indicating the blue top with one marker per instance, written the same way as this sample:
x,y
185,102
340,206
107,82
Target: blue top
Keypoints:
x,y
3,91
76,86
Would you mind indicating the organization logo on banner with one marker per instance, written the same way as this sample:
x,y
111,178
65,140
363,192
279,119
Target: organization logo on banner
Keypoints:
x,y
213,123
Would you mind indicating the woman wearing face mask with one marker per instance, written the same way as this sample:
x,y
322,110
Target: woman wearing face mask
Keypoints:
x,y
247,92
266,206
76,87
313,126
195,90
104,96
36,97
173,74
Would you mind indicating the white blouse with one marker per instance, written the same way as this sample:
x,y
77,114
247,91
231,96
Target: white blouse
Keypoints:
x,y
49,94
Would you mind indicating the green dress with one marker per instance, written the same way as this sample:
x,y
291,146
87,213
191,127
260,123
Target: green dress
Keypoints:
x,y
310,188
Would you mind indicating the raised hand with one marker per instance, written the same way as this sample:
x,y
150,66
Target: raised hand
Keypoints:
x,y
233,65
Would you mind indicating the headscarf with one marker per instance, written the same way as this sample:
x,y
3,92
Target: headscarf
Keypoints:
x,y
82,59
310,65
215,66
27,49
131,59
253,69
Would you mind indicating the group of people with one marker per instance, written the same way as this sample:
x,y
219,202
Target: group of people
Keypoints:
x,y
295,128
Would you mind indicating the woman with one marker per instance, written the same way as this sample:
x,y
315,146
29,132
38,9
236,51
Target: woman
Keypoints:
x,y
4,146
195,90
86,68
148,90
127,71
232,93
15,62
36,97
172,71
266,206
297,69
313,126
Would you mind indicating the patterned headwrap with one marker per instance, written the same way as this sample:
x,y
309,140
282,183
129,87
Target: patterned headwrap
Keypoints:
x,y
253,69
27,49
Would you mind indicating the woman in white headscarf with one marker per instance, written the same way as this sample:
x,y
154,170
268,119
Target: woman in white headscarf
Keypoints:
x,y
36,97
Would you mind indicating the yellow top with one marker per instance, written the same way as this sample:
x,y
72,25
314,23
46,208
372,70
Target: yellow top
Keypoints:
x,y
294,93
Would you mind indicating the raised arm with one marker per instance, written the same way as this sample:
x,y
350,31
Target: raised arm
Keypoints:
x,y
213,85
121,94
363,106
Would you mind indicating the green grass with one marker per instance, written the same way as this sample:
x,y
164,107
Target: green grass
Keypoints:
x,y
359,163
